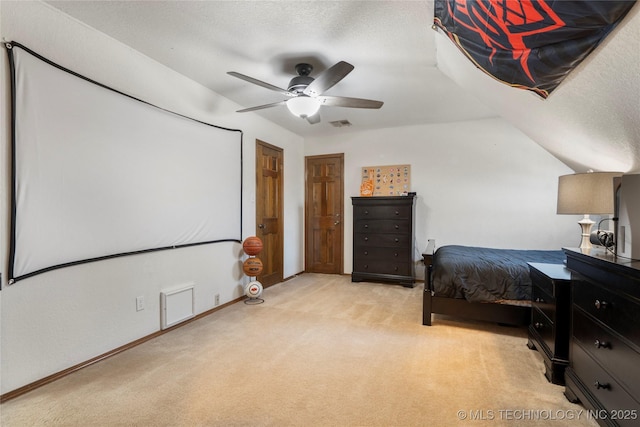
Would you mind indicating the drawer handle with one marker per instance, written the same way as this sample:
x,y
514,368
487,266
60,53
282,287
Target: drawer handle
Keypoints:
x,y
539,299
395,254
538,325
397,213
366,266
366,226
366,212
601,304
366,239
397,240
397,226
600,385
602,344
395,269
366,252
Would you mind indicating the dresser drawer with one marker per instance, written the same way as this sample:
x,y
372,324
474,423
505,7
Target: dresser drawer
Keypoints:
x,y
387,240
544,327
383,239
610,351
543,302
601,385
383,211
619,313
541,280
399,226
381,253
382,267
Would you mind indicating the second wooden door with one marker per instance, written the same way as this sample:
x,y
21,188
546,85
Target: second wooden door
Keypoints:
x,y
324,214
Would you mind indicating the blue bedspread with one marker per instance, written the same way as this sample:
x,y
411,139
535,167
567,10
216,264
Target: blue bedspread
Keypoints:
x,y
486,274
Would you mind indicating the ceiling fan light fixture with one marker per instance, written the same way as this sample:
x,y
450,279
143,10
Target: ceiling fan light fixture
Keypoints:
x,y
303,106
305,93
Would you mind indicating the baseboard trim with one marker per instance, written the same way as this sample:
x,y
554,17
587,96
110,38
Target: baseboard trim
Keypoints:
x,y
53,377
56,376
292,277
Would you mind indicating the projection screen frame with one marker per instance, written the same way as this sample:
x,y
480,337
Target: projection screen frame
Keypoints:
x,y
13,180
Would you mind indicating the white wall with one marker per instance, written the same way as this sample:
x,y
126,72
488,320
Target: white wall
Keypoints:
x,y
58,319
480,183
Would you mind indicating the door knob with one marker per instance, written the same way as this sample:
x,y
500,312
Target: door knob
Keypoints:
x,y
601,305
260,225
336,223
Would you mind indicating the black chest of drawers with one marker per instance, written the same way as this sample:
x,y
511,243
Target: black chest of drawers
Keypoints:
x,y
604,359
551,317
383,239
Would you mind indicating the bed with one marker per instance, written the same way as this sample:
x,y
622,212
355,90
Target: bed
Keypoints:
x,y
481,283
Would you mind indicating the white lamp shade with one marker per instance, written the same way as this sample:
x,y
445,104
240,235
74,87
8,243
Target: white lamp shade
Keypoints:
x,y
586,193
303,106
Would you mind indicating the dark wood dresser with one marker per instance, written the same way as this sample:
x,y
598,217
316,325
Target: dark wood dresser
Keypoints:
x,y
551,317
604,356
383,229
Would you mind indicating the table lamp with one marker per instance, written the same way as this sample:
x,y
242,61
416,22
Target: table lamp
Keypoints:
x,y
586,194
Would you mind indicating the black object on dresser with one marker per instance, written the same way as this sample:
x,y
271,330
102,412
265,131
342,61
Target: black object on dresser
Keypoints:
x,y
604,357
383,230
551,317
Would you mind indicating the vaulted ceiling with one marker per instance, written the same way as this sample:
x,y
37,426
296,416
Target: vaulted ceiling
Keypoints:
x,y
592,121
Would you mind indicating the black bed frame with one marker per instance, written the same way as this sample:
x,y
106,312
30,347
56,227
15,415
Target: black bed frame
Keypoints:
x,y
459,307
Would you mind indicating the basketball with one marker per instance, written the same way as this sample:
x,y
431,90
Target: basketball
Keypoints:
x,y
252,245
252,267
253,289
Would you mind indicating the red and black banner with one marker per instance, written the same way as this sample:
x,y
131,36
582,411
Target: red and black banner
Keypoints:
x,y
525,43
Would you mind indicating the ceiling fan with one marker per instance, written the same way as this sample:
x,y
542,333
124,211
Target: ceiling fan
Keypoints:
x,y
305,93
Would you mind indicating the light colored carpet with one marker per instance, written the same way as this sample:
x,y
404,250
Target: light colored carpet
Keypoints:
x,y
321,351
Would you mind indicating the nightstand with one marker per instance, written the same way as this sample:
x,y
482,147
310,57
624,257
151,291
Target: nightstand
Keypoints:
x,y
550,326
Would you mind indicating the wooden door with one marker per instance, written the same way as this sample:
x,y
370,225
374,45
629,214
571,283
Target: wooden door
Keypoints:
x,y
324,214
269,165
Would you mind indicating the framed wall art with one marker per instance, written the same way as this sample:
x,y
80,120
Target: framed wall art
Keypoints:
x,y
392,180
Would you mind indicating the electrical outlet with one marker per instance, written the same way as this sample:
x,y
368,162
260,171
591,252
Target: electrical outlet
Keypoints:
x,y
217,299
139,303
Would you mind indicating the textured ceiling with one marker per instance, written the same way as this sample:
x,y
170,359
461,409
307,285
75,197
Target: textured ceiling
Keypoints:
x,y
592,121
390,43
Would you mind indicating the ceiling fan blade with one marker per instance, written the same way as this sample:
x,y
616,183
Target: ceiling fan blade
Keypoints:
x,y
260,83
343,101
261,107
328,78
314,119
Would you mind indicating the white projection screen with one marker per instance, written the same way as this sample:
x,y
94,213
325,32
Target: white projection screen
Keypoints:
x,y
99,174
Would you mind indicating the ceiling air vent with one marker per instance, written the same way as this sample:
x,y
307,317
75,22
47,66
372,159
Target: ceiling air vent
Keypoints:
x,y
340,123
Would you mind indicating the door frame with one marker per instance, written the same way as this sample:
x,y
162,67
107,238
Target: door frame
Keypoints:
x,y
307,208
258,173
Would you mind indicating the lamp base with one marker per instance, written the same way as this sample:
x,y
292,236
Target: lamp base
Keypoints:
x,y
586,223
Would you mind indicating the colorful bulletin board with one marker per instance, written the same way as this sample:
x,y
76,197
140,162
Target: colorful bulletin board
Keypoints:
x,y
394,180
